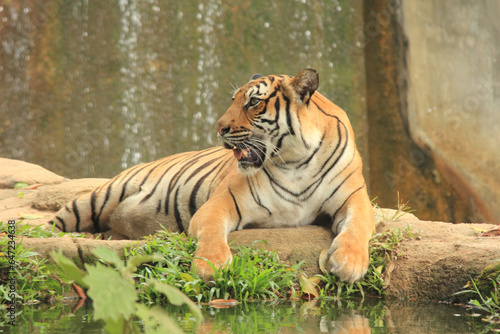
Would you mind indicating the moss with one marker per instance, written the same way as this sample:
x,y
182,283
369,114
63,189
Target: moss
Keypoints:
x,y
485,280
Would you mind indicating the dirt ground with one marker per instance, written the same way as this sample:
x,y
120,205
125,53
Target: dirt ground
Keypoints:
x,y
436,263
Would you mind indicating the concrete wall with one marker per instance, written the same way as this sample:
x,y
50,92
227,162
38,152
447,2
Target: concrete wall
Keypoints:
x,y
453,94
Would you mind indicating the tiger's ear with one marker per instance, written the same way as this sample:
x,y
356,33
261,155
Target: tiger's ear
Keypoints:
x,y
305,84
256,76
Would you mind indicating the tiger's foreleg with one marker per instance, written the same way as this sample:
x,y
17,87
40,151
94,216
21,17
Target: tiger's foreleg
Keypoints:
x,y
353,224
210,225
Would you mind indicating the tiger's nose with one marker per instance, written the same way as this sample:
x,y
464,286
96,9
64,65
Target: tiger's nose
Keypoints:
x,y
223,129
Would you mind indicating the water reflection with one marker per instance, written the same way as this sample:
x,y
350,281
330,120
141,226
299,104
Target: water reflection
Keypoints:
x,y
370,316
88,88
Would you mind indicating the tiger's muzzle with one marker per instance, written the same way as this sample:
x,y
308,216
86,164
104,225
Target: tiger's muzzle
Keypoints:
x,y
249,153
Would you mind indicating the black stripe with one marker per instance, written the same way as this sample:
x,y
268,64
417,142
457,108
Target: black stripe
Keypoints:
x,y
313,190
106,199
95,220
273,94
340,208
324,112
229,159
335,190
264,110
77,216
188,163
237,209
269,121
279,143
158,206
151,193
196,188
124,175
124,187
288,116
314,152
256,197
335,150
177,214
63,224
258,126
283,197
273,181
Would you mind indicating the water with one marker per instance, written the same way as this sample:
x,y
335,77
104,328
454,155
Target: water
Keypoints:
x,y
88,88
371,316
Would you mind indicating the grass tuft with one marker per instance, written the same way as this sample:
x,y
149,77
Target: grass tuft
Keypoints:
x,y
254,273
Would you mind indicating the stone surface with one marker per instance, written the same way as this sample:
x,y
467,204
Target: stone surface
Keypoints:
x,y
441,260
55,197
453,94
39,204
14,171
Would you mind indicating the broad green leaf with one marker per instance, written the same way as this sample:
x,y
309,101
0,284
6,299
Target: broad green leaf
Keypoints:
x,y
113,295
115,326
30,216
308,286
20,185
69,268
186,277
137,260
314,280
176,297
157,320
109,256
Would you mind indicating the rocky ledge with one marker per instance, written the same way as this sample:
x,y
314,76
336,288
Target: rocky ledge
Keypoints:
x,y
434,265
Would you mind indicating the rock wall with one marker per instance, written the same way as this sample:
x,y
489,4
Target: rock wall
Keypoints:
x,y
433,87
453,93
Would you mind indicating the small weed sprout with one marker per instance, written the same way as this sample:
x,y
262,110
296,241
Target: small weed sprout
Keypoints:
x,y
402,208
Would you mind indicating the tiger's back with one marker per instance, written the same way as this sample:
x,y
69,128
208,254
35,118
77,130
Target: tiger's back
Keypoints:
x,y
140,199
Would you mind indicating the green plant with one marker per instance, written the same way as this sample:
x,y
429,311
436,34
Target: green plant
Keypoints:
x,y
115,294
31,276
253,273
20,185
23,229
487,287
401,209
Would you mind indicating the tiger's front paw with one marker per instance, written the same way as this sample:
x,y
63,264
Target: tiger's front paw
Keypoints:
x,y
218,256
347,259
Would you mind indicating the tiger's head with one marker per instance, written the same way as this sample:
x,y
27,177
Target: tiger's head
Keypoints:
x,y
263,121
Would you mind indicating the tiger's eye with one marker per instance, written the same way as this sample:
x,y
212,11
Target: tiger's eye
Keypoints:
x,y
254,101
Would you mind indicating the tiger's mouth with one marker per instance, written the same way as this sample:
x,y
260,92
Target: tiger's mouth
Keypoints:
x,y
248,155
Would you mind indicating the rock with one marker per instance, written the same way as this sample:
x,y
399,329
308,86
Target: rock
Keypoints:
x,y
55,197
41,203
291,244
14,171
441,260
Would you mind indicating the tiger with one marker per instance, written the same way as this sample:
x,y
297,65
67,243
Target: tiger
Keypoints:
x,y
288,158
